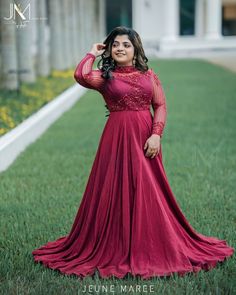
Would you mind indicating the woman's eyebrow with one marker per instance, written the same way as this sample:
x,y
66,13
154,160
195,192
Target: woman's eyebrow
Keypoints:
x,y
123,42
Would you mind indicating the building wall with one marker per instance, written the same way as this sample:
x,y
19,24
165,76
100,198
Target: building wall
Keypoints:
x,y
148,19
158,23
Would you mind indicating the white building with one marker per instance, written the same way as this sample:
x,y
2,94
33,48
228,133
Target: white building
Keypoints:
x,y
160,23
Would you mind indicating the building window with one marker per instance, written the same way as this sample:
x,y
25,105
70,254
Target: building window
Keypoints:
x,y
118,13
229,20
187,17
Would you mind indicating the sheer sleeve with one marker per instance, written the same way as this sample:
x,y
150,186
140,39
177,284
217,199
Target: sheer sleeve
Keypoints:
x,y
86,76
158,105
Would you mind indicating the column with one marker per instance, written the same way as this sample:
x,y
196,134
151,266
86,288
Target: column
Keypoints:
x,y
70,33
171,16
42,58
213,19
199,18
65,37
102,19
8,50
137,17
56,51
26,69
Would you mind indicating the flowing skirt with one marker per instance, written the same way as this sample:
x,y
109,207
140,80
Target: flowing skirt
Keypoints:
x,y
128,220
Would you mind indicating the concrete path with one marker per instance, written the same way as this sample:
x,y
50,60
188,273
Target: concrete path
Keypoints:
x,y
227,61
224,58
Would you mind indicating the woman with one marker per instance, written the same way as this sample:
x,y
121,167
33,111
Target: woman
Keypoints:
x,y
128,220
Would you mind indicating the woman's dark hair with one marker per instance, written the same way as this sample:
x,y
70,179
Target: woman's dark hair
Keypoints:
x,y
108,64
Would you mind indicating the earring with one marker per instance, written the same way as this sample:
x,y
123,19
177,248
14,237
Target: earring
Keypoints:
x,y
134,61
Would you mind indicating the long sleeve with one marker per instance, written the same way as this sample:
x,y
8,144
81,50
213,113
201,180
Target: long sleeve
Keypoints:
x,y
158,105
86,76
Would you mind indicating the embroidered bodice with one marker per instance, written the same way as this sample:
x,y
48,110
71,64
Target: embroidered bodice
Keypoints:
x,y
130,89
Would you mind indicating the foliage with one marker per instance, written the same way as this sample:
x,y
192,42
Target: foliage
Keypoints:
x,y
15,106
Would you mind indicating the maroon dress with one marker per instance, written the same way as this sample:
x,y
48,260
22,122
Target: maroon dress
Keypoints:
x,y
128,220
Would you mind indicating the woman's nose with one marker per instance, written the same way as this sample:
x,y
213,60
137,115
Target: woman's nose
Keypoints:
x,y
120,47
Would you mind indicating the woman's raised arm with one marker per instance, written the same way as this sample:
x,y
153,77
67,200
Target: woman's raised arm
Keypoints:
x,y
86,76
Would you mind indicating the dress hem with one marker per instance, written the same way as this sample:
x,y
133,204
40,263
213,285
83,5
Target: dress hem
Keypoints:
x,y
203,266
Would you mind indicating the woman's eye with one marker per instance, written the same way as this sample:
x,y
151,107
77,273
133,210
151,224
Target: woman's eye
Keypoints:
x,y
126,45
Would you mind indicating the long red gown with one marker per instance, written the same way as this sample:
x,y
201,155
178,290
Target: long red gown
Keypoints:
x,y
128,220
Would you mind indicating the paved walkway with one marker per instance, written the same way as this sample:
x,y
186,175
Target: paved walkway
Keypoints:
x,y
224,58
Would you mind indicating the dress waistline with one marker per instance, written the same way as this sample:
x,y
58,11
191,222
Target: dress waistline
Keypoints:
x,y
144,110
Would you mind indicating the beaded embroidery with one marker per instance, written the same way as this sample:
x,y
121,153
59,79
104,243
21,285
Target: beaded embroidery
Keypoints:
x,y
130,89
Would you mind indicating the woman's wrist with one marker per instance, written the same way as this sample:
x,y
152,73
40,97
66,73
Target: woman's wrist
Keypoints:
x,y
91,52
156,135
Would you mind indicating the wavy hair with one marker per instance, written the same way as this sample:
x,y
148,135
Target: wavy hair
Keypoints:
x,y
107,64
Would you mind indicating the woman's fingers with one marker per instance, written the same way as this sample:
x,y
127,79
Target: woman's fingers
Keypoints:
x,y
98,48
152,146
151,152
145,145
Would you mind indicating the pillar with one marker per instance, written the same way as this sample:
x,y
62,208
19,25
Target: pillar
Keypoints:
x,y
213,19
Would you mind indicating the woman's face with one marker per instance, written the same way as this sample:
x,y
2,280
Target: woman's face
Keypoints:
x,y
122,50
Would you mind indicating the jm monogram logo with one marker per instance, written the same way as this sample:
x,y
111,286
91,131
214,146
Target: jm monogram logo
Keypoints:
x,y
19,16
15,8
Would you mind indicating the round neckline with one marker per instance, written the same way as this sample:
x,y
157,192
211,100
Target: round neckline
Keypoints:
x,y
125,69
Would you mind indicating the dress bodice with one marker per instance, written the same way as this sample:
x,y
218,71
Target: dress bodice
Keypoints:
x,y
129,89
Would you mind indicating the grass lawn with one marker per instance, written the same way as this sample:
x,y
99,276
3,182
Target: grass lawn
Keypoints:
x,y
41,192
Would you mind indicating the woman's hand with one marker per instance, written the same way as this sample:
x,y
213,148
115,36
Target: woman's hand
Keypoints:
x,y
153,145
98,49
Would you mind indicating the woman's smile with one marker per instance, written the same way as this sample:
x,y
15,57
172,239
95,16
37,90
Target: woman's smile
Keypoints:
x,y
120,54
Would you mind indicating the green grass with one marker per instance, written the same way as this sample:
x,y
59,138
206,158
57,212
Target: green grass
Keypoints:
x,y
41,192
